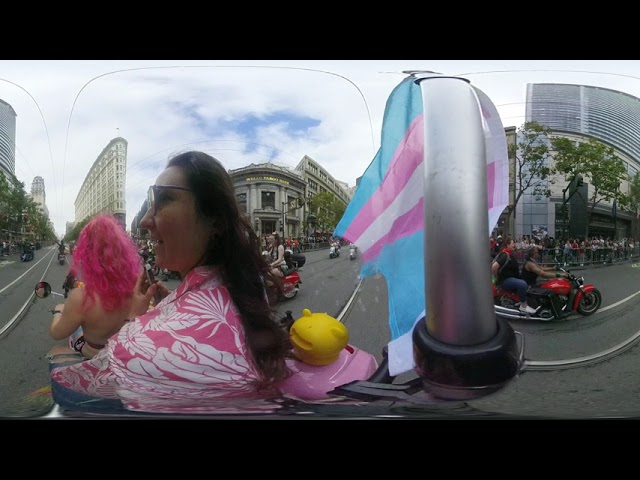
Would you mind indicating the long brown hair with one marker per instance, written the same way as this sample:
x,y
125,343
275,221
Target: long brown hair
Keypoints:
x,y
235,249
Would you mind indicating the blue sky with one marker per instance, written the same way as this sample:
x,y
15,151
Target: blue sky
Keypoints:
x,y
242,112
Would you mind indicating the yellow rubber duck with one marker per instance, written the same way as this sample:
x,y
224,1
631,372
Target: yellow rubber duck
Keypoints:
x,y
318,338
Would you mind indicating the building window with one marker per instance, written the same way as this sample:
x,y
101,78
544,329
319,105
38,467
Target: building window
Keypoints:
x,y
268,200
242,202
268,226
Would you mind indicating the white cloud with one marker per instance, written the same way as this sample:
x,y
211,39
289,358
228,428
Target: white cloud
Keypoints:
x,y
163,110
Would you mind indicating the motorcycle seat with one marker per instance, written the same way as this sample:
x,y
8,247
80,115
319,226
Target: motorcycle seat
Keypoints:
x,y
539,292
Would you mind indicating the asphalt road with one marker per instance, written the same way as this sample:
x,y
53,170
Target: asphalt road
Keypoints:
x,y
605,386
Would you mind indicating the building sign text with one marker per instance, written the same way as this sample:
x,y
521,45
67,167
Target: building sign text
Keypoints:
x,y
271,179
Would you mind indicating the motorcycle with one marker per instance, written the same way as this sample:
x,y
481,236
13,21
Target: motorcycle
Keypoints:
x,y
324,365
353,252
557,299
290,282
334,251
166,275
294,257
62,258
27,256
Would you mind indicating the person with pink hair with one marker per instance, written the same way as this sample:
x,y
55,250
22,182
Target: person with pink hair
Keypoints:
x,y
107,261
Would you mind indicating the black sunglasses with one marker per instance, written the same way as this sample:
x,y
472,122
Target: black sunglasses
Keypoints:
x,y
151,195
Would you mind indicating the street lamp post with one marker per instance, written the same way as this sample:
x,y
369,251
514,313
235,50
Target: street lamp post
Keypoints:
x,y
289,206
284,218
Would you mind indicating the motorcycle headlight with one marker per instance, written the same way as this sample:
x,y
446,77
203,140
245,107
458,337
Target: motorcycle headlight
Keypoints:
x,y
581,281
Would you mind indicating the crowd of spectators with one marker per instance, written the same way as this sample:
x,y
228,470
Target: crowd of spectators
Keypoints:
x,y
573,251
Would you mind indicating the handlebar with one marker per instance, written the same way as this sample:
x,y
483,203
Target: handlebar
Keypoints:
x,y
559,267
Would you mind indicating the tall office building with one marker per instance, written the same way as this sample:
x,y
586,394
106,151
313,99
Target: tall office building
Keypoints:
x,y
608,115
7,138
38,194
103,187
580,112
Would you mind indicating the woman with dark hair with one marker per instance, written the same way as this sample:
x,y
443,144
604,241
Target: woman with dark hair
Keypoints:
x,y
532,272
276,255
211,345
506,270
107,261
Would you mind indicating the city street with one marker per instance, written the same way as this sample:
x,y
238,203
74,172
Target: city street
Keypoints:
x,y
564,389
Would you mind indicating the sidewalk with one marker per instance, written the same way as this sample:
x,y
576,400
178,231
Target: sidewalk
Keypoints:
x,y
597,264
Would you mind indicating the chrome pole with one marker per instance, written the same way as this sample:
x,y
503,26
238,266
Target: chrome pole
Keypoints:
x,y
457,277
461,349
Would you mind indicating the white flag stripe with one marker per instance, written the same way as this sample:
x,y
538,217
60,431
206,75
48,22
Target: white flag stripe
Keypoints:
x,y
405,201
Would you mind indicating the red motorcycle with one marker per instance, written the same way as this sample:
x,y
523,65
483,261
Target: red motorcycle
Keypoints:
x,y
555,299
290,281
291,284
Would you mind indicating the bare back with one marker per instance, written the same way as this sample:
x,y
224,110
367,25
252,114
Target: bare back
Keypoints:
x,y
97,324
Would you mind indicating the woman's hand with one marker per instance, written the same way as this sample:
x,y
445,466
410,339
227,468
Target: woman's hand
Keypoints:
x,y
162,288
143,292
142,295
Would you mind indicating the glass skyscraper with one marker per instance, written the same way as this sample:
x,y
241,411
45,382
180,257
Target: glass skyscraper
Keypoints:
x,y
580,112
7,138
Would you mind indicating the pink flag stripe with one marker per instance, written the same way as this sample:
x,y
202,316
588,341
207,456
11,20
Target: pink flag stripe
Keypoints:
x,y
405,201
408,156
403,226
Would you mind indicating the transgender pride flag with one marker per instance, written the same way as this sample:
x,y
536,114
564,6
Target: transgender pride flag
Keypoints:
x,y
385,218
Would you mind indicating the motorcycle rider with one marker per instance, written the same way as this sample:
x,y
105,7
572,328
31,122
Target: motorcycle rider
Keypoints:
x,y
109,263
61,247
532,271
276,254
506,270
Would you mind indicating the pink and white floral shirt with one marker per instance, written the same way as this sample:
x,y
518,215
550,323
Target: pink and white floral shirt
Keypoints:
x,y
187,355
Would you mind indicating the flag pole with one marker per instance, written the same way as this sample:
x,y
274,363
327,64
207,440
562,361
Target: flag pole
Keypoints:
x,y
461,348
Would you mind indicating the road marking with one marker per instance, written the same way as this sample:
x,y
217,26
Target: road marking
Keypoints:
x,y
619,302
353,295
10,324
34,266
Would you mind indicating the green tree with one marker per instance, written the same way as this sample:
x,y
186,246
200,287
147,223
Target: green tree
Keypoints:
x,y
634,201
532,170
39,224
18,210
600,167
17,203
328,210
4,203
73,235
634,193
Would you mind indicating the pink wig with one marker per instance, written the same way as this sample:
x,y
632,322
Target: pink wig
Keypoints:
x,y
108,262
